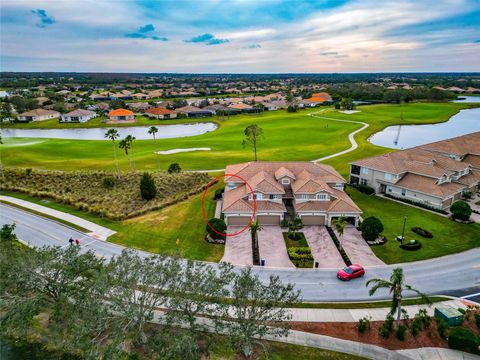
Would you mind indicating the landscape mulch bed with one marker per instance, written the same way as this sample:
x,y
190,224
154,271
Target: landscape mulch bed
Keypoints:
x,y
348,331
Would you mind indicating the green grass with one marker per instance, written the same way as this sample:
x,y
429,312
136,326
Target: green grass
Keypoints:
x,y
279,351
158,231
286,137
449,237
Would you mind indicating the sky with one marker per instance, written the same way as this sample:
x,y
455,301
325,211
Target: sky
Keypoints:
x,y
240,36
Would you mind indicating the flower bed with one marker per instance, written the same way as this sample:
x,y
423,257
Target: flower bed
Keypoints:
x,y
88,190
422,232
411,245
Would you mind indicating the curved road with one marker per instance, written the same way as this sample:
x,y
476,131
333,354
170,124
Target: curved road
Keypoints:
x,y
457,274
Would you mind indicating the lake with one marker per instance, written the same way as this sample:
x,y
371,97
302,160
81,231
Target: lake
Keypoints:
x,y
140,132
467,99
406,136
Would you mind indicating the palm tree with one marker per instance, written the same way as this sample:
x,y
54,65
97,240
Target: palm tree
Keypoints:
x,y
397,286
126,145
152,131
255,227
113,135
130,139
339,224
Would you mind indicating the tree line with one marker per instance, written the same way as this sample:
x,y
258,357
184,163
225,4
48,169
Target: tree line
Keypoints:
x,y
97,309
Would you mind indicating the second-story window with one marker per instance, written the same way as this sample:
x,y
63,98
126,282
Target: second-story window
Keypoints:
x,y
285,181
364,171
322,197
387,176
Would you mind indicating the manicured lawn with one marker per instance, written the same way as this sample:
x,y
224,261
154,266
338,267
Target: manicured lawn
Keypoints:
x,y
158,231
287,136
448,236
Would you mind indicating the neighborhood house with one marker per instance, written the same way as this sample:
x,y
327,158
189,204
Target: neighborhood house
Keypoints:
x,y
38,115
121,115
161,113
434,174
78,115
284,190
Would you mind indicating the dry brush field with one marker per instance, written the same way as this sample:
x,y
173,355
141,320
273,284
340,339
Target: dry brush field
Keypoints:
x,y
89,191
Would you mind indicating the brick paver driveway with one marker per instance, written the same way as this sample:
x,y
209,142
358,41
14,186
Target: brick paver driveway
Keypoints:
x,y
323,249
238,248
357,249
272,247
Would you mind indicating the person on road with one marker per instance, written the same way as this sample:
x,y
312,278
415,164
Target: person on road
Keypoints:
x,y
70,241
77,242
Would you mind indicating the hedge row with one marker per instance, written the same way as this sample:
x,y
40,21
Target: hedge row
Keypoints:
x,y
300,253
416,203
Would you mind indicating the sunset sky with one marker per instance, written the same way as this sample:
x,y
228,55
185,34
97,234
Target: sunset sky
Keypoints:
x,y
240,36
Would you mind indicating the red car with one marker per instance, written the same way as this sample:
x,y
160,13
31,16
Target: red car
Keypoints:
x,y
350,272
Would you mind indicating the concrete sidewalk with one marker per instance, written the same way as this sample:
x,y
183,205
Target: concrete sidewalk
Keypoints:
x,y
96,231
353,315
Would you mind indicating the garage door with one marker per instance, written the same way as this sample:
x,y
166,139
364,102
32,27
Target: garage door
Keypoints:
x,y
238,220
268,219
313,220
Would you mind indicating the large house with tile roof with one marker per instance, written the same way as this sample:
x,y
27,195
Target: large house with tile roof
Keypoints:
x,y
433,174
280,190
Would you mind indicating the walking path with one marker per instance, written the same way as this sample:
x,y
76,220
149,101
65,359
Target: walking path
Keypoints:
x,y
351,136
376,314
96,231
218,209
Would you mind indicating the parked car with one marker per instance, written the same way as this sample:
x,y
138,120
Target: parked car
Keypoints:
x,y
350,272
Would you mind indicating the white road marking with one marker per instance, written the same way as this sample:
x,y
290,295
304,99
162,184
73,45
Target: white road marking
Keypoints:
x,y
469,296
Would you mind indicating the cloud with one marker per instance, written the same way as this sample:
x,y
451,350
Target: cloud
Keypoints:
x,y
159,38
329,53
207,39
136,36
43,18
252,46
146,28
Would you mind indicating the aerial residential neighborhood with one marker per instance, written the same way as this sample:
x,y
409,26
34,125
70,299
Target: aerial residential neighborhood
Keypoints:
x,y
216,180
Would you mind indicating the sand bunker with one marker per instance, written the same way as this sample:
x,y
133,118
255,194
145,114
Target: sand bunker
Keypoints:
x,y
174,151
348,112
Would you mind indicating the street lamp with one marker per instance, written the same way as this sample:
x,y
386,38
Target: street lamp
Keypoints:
x,y
403,231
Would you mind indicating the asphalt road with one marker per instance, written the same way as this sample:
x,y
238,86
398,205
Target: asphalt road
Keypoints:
x,y
455,275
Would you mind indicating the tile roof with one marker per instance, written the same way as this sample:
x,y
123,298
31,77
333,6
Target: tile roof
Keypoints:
x,y
40,112
160,111
282,172
80,112
428,186
120,112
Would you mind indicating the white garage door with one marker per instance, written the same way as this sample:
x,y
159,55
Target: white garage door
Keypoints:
x,y
313,220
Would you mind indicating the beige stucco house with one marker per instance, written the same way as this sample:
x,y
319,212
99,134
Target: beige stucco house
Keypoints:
x,y
434,174
313,192
38,115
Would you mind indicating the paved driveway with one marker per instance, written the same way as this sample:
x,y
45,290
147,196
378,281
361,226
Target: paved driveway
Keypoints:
x,y
357,249
272,247
323,249
238,248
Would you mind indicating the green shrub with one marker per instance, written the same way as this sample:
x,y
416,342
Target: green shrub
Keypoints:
x,y
174,168
464,340
7,232
442,328
300,253
461,210
411,245
148,190
423,318
400,332
218,194
108,182
477,320
387,326
28,172
415,328
218,225
416,203
366,189
371,228
363,324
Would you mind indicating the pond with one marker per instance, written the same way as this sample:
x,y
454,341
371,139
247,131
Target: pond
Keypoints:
x,y
406,136
140,132
467,99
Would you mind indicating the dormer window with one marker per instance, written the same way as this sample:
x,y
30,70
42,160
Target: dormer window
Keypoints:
x,y
285,181
304,196
322,197
258,196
